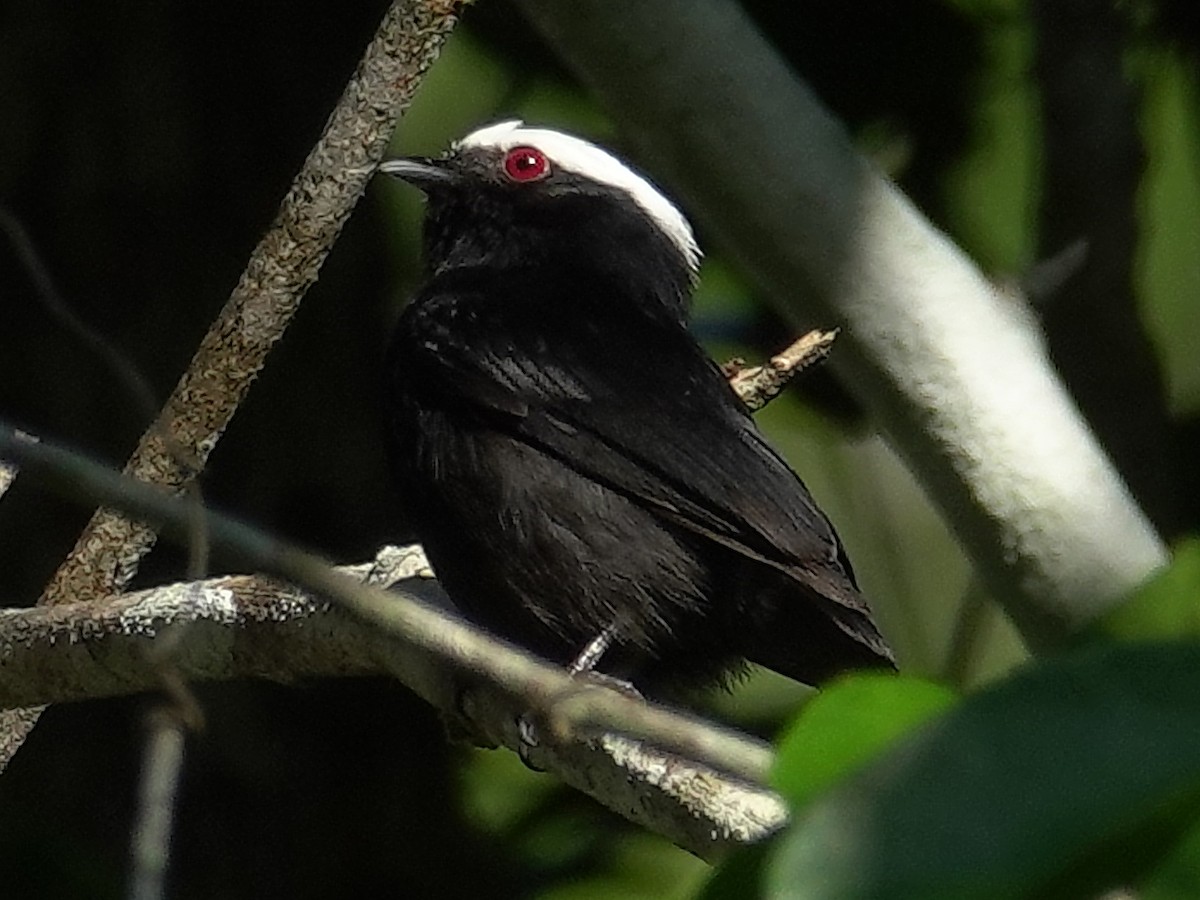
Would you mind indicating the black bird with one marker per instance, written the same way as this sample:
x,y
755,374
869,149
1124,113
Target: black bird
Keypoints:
x,y
583,478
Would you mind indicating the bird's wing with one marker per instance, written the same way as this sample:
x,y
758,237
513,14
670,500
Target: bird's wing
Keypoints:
x,y
636,405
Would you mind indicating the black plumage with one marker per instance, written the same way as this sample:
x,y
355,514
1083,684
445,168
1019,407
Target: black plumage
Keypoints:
x,y
572,461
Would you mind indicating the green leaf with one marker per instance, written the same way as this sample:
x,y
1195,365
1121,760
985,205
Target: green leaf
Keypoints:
x,y
847,724
1072,775
1178,878
740,877
1167,606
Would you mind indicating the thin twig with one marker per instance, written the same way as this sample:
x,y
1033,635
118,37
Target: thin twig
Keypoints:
x,y
163,751
655,781
756,386
158,789
132,381
971,628
137,387
418,623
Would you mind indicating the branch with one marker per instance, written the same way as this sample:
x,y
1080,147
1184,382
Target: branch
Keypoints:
x,y
956,376
8,474
759,385
280,270
243,625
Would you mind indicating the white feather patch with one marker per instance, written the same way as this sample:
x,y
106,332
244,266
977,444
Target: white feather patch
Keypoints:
x,y
576,155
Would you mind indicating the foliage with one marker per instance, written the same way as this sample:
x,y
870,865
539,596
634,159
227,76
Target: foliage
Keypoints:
x,y
147,150
1073,775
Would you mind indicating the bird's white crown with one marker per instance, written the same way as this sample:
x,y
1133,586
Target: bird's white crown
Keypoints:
x,y
576,155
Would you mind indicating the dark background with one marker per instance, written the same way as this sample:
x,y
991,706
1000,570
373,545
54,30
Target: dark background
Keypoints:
x,y
144,148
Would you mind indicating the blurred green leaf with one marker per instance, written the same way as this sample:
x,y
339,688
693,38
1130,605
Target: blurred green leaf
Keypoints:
x,y
990,194
907,561
1167,606
640,866
1168,253
548,101
740,876
464,90
1178,878
990,9
846,725
838,730
500,792
1072,775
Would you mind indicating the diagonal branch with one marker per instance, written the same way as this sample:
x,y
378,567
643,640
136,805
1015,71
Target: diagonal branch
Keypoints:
x,y
280,270
953,372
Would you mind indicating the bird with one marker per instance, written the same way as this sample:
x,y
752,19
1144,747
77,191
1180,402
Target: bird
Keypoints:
x,y
583,479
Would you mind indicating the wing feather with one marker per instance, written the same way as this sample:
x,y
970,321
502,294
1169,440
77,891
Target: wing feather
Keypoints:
x,y
635,404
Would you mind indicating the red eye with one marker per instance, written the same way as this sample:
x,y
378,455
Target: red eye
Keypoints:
x,y
526,164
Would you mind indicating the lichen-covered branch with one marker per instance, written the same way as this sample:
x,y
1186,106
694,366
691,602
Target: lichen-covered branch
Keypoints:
x,y
607,746
8,474
237,626
248,626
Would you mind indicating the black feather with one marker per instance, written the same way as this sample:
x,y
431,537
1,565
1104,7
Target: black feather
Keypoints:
x,y
574,462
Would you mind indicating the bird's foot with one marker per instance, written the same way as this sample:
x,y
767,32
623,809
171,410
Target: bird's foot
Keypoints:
x,y
528,732
620,685
528,742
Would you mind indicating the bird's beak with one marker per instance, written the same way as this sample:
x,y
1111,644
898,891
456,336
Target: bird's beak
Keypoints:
x,y
419,171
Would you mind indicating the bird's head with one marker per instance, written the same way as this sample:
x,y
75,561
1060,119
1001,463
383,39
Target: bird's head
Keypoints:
x,y
510,195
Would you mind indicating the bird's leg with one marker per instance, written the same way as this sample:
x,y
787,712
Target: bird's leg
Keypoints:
x,y
590,655
583,664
